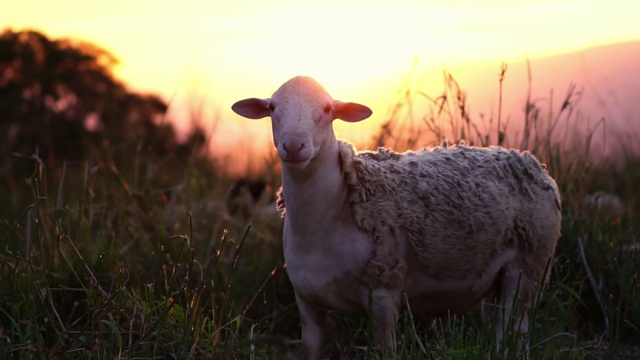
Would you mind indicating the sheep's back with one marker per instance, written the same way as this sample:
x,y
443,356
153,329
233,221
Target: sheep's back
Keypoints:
x,y
468,201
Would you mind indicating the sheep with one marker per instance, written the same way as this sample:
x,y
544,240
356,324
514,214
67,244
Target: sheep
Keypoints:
x,y
449,227
604,206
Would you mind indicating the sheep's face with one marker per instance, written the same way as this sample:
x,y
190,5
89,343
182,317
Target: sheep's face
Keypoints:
x,y
301,115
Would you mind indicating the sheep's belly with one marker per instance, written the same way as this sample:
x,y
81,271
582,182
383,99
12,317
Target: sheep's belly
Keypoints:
x,y
441,302
430,296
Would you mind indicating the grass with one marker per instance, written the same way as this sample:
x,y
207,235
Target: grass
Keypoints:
x,y
100,263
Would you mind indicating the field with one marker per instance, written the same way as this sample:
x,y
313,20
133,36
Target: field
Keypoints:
x,y
138,256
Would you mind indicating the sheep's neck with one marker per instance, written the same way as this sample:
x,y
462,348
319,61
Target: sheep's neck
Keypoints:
x,y
317,193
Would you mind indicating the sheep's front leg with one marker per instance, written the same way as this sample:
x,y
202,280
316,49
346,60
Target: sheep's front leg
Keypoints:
x,y
384,307
312,322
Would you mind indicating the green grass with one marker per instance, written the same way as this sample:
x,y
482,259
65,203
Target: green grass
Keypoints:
x,y
98,263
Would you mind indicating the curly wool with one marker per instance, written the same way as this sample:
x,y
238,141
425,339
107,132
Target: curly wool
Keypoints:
x,y
457,206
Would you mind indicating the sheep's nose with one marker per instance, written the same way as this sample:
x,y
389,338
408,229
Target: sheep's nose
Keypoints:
x,y
292,148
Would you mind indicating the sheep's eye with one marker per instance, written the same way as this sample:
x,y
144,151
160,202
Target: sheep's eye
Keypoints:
x,y
327,109
272,107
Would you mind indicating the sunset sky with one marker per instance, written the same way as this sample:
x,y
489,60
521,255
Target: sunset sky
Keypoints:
x,y
210,53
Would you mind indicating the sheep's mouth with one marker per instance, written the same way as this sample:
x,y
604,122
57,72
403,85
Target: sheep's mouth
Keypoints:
x,y
297,163
300,158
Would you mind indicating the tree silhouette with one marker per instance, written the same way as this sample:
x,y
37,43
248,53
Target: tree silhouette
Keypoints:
x,y
59,98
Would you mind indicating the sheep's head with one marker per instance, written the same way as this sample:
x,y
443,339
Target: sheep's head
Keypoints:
x,y
301,115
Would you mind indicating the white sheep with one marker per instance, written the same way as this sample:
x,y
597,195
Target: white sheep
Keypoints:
x,y
449,227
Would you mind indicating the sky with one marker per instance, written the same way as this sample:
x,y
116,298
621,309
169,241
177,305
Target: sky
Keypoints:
x,y
202,55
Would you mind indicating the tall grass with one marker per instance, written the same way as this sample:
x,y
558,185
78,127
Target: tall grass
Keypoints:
x,y
594,277
103,264
100,260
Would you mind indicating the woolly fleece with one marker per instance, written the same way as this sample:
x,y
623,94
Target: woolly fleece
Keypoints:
x,y
457,206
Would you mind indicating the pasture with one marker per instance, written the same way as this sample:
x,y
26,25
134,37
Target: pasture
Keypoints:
x,y
133,255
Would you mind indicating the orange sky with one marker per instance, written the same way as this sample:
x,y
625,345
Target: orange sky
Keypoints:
x,y
207,54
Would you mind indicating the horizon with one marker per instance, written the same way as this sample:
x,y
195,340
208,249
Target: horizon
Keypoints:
x,y
212,55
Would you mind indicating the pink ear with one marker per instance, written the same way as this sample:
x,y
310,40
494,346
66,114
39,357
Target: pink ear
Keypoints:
x,y
349,111
252,108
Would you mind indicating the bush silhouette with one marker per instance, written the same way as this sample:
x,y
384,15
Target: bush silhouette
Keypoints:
x,y
59,100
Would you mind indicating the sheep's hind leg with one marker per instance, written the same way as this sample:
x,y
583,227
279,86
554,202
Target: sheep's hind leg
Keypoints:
x,y
489,306
384,307
513,296
312,323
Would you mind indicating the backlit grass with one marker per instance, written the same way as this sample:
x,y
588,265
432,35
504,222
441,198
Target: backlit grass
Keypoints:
x,y
101,263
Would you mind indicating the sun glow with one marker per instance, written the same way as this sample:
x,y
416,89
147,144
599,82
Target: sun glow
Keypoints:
x,y
343,43
208,54
340,41
339,47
